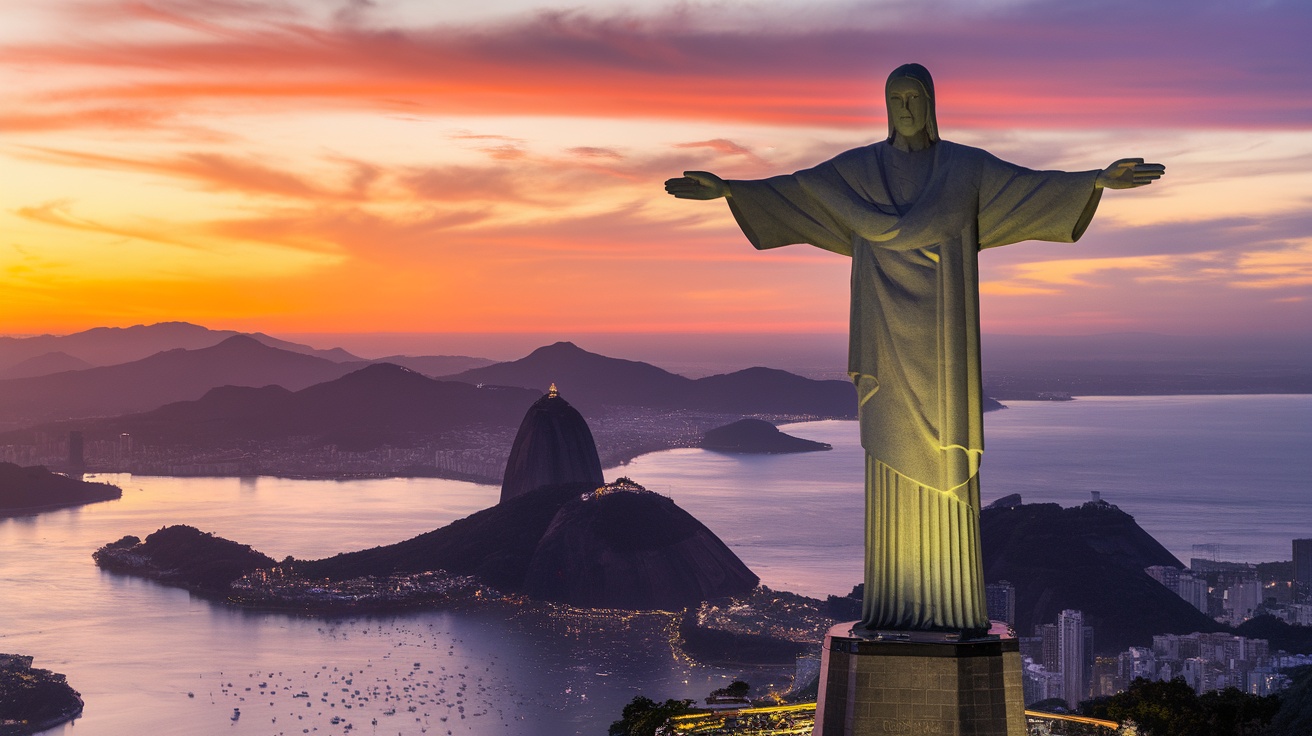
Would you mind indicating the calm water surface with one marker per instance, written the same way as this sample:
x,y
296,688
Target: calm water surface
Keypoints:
x,y
1222,471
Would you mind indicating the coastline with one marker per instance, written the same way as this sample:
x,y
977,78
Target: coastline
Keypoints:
x,y
13,513
31,688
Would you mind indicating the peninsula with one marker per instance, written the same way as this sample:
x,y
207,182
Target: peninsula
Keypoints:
x,y
618,546
33,700
757,436
31,489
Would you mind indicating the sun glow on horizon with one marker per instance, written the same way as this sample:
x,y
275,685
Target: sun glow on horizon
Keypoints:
x,y
398,169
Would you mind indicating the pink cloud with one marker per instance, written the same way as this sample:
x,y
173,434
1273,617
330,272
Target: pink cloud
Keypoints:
x,y
1039,64
214,171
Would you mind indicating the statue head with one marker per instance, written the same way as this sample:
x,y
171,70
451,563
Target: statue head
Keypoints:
x,y
909,94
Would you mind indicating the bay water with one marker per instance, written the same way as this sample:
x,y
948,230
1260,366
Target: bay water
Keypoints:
x,y
1207,476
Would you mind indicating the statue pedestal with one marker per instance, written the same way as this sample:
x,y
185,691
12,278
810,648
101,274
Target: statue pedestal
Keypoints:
x,y
919,683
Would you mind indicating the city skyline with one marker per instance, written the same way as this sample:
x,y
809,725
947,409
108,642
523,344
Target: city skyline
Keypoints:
x,y
396,167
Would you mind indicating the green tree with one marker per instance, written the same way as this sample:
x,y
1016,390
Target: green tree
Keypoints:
x,y
735,689
1174,709
642,716
1231,711
1294,718
1159,708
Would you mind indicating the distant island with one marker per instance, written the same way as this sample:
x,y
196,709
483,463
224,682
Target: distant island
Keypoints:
x,y
27,489
33,700
757,436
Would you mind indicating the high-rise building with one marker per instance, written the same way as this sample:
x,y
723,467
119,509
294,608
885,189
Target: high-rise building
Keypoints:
x,y
1070,637
1303,570
1194,590
1000,597
76,461
1050,645
1032,647
1241,600
1137,662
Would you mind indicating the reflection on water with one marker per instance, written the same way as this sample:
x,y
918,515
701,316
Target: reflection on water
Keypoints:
x,y
152,659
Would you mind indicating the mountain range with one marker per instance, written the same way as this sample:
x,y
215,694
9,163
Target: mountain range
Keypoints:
x,y
263,394
590,381
207,394
73,381
173,375
103,346
362,410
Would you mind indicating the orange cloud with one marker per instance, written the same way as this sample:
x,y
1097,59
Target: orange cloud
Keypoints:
x,y
493,230
664,65
214,171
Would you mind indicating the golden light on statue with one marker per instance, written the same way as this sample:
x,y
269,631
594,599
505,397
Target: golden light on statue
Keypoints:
x,y
912,212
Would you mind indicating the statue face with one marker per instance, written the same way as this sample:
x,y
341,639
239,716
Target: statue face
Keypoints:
x,y
908,106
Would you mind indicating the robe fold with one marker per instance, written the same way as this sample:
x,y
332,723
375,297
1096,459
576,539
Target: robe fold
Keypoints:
x,y
913,224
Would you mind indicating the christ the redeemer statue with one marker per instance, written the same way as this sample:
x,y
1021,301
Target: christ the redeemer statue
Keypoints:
x,y
913,212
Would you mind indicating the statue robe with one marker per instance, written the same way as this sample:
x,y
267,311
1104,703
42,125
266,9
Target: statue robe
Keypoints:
x,y
913,224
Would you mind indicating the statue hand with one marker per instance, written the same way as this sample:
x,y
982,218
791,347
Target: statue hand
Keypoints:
x,y
697,185
1129,173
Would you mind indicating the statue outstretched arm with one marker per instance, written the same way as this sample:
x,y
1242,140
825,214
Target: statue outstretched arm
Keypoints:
x,y
1129,173
697,185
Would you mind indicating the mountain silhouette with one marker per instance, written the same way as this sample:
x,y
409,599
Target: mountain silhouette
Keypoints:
x,y
630,550
102,346
35,487
1090,558
757,436
45,364
375,405
173,375
592,381
625,547
436,366
553,446
588,378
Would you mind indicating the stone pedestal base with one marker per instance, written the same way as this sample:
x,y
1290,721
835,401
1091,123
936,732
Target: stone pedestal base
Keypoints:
x,y
912,683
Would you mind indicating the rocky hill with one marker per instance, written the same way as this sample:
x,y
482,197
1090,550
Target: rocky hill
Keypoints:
x,y
544,533
1090,558
553,446
625,547
622,547
183,556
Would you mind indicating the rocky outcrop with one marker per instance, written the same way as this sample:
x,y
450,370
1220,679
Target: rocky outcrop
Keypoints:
x,y
757,436
553,447
622,547
617,546
1090,558
625,547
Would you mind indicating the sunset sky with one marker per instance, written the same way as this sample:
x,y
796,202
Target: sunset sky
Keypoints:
x,y
299,166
